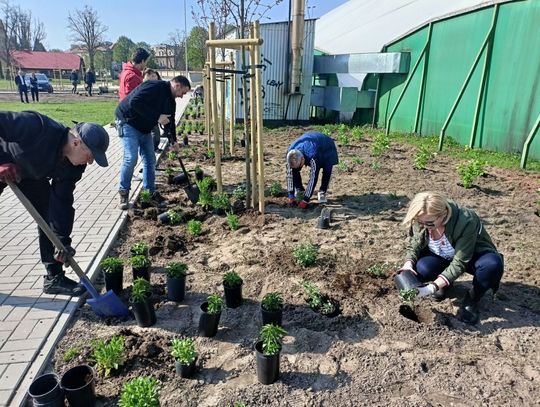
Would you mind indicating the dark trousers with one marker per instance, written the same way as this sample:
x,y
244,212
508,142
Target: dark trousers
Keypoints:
x,y
326,176
89,89
35,94
25,92
487,269
74,88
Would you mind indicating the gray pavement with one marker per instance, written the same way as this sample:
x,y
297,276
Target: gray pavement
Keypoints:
x,y
31,322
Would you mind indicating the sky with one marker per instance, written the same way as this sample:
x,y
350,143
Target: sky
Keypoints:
x,y
150,23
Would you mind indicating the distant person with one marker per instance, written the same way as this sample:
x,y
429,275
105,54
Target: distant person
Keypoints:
x,y
74,79
89,79
151,103
199,93
21,86
131,75
150,74
34,90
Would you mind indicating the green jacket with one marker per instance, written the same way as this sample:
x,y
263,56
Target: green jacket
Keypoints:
x,y
466,234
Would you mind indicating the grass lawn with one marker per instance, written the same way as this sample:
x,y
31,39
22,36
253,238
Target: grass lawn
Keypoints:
x,y
101,112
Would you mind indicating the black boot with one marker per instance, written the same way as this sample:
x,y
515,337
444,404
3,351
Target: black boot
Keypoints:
x,y
124,199
158,200
60,284
468,311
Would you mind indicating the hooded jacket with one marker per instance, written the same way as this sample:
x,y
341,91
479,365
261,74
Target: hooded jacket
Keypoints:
x,y
130,78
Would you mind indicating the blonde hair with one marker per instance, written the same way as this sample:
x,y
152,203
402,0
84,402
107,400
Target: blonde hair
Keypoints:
x,y
428,203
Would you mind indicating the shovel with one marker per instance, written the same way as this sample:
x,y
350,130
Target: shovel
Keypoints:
x,y
108,305
192,191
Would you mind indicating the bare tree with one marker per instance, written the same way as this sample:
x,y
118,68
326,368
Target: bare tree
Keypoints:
x,y
177,41
87,31
38,35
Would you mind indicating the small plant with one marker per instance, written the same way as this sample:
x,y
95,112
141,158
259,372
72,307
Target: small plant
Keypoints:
x,y
470,171
140,290
343,138
174,217
381,143
272,302
272,336
215,304
314,294
232,221
145,196
183,350
108,355
275,189
357,161
421,159
221,201
194,227
239,404
140,392
232,279
198,172
327,308
211,154
172,155
139,249
112,265
378,270
140,261
357,134
239,193
408,295
188,127
342,166
169,171
71,354
376,166
299,196
305,254
176,270
205,192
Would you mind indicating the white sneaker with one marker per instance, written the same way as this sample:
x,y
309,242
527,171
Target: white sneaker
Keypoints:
x,y
321,196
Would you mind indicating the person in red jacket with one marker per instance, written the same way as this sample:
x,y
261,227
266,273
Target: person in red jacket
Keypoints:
x,y
131,75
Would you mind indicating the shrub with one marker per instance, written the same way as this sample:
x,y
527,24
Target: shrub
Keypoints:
x,y
231,279
172,155
305,254
314,294
421,159
232,221
140,261
272,302
221,201
343,138
140,392
205,192
275,189
239,193
272,336
139,249
174,217
381,143
215,304
194,227
176,270
183,350
140,290
108,355
145,196
112,265
470,171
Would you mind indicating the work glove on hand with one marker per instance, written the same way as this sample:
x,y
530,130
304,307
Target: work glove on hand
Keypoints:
x,y
303,204
61,256
9,172
426,289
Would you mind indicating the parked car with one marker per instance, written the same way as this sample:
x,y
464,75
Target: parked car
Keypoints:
x,y
44,85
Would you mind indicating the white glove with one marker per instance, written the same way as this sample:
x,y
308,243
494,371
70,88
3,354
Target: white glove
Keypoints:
x,y
426,289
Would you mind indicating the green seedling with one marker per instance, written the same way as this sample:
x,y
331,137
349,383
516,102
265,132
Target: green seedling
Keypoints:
x,y
305,254
194,227
140,261
140,290
145,196
378,270
188,128
71,354
205,192
314,294
108,355
357,133
221,201
327,308
239,193
169,171
215,304
381,143
140,392
470,172
272,336
174,217
408,295
183,350
172,155
272,302
139,249
343,139
421,159
357,161
112,265
211,153
275,189
176,270
299,196
233,221
342,166
232,279
376,166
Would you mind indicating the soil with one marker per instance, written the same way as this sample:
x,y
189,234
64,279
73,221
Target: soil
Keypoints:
x,y
375,352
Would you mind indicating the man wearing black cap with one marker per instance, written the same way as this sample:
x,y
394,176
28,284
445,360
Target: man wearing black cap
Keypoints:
x,y
46,159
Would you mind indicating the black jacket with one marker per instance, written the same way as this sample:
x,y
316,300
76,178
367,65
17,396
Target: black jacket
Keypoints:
x,y
143,106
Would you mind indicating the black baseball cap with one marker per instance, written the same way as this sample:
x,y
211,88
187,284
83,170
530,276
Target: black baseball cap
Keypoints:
x,y
96,139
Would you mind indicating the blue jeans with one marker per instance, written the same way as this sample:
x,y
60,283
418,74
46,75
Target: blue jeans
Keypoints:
x,y
134,142
487,269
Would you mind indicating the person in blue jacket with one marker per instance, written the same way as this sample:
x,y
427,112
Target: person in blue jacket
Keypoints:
x,y
317,151
46,159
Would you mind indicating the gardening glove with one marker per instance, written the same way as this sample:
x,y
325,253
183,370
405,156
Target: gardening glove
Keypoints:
x,y
303,204
426,289
9,172
61,256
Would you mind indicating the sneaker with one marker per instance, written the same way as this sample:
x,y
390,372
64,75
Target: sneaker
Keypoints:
x,y
124,200
322,197
60,284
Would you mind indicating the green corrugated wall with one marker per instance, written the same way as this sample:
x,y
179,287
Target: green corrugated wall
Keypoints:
x,y
511,101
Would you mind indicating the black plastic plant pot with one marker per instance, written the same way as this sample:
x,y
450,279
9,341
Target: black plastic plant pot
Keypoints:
x,y
185,140
170,179
243,143
272,317
219,212
176,288
180,179
114,281
185,371
79,385
267,366
199,175
163,218
233,296
145,205
143,272
208,323
144,313
45,390
406,280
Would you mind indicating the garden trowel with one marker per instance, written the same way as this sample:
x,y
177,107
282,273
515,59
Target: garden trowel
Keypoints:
x,y
192,190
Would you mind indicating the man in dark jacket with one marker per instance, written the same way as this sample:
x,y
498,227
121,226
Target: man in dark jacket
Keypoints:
x,y
150,103
74,79
317,151
21,86
46,159
90,79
